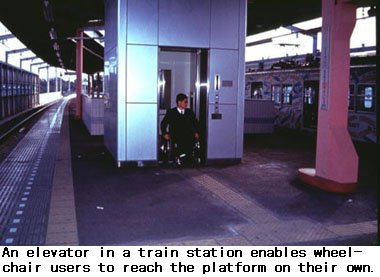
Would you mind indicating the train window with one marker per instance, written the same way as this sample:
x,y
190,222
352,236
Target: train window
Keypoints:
x,y
365,99
351,98
276,94
287,94
257,90
310,94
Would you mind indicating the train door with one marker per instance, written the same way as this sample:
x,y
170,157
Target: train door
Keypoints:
x,y
310,104
183,71
4,91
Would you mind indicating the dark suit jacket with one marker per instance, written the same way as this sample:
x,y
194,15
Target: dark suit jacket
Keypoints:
x,y
181,127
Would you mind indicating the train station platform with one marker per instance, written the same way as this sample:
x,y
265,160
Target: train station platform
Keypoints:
x,y
60,186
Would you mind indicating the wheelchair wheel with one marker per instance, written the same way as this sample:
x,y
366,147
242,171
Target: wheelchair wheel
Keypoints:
x,y
165,151
197,153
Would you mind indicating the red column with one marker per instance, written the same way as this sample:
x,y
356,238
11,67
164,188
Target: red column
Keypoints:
x,y
79,69
336,159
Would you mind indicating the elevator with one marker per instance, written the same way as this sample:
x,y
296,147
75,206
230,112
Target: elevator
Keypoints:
x,y
156,49
183,70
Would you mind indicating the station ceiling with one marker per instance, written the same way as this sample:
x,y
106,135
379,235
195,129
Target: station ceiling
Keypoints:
x,y
31,22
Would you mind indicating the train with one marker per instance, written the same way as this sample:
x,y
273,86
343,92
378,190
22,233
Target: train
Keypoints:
x,y
292,85
19,90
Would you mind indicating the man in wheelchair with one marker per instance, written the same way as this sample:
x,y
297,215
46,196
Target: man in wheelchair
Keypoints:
x,y
182,136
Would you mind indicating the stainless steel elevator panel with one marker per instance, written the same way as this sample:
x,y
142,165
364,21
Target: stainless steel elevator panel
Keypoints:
x,y
184,23
110,26
241,80
221,135
111,78
111,102
121,80
141,132
142,22
223,63
142,74
225,24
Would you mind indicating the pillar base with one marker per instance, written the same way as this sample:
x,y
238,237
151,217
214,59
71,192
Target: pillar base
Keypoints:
x,y
307,175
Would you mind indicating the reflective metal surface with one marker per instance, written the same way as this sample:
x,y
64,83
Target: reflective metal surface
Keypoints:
x,y
215,26
110,79
241,79
225,64
142,22
222,133
121,80
110,25
224,24
184,23
141,132
142,74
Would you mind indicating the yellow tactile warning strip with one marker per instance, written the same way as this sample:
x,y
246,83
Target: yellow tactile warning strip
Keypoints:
x,y
266,228
62,224
247,207
354,229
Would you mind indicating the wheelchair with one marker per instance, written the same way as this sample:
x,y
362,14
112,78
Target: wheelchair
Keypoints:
x,y
169,153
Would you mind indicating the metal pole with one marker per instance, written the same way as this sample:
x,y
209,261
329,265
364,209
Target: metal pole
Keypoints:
x,y
79,69
315,43
56,79
48,81
88,85
98,84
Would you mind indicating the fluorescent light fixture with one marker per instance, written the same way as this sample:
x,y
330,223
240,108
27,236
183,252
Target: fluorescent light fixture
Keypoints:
x,y
48,11
53,34
55,46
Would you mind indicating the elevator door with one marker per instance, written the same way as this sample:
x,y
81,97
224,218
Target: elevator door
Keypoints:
x,y
180,71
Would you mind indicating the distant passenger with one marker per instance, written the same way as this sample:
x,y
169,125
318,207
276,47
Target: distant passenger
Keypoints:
x,y
183,128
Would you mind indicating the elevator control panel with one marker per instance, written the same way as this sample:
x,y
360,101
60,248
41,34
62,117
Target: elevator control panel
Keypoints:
x,y
217,83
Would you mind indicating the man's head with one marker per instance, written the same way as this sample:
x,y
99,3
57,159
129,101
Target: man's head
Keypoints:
x,y
181,101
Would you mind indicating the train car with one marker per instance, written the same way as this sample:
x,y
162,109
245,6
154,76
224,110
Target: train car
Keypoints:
x,y
19,90
294,89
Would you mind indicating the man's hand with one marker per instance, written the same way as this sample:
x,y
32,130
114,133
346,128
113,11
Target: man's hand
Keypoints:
x,y
196,135
166,136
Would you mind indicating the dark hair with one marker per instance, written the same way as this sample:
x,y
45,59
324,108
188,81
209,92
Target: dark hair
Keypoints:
x,y
181,97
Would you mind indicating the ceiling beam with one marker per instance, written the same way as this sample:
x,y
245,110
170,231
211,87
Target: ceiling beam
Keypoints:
x,y
7,53
33,64
92,26
27,59
258,42
4,37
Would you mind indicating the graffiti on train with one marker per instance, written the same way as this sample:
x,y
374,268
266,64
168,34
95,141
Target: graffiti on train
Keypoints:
x,y
295,96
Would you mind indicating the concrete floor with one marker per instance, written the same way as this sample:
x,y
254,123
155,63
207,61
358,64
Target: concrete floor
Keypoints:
x,y
257,202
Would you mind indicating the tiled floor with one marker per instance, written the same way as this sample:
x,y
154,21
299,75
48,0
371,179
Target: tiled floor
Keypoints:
x,y
257,202
26,178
